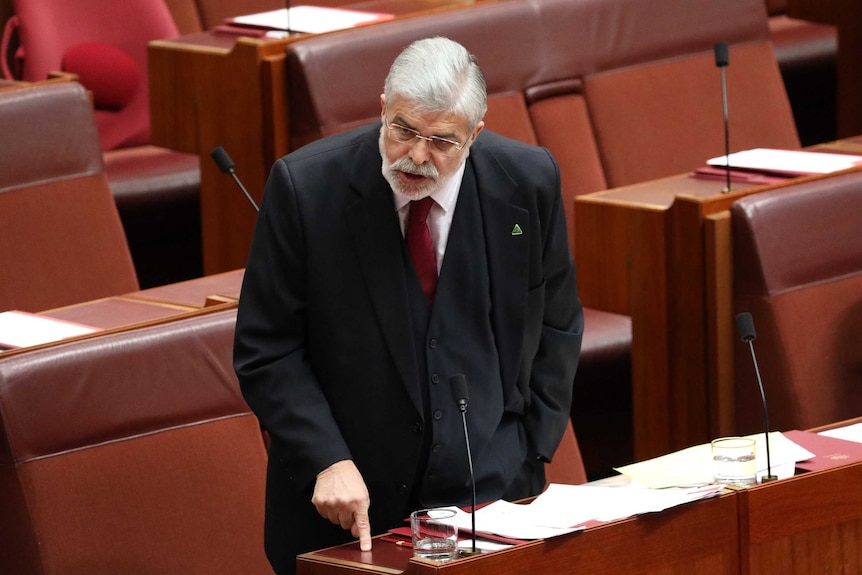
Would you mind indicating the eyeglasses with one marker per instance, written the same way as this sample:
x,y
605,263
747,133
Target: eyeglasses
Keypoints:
x,y
405,135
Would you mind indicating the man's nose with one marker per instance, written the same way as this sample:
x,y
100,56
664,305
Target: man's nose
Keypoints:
x,y
420,150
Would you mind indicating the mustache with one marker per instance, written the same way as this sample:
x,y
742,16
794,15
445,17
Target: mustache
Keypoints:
x,y
406,165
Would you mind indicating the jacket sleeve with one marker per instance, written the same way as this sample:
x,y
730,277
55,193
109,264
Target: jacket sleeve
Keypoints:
x,y
270,346
554,364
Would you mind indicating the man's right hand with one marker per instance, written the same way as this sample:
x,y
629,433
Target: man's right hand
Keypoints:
x,y
340,495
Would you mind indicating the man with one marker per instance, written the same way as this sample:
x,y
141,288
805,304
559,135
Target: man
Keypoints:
x,y
347,336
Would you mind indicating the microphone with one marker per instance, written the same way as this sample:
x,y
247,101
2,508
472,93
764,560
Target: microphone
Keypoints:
x,y
745,326
225,164
722,59
462,397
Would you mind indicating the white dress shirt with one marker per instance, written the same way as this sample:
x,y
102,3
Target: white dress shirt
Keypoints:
x,y
440,217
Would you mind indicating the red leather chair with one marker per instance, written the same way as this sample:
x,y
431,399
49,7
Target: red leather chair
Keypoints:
x,y
131,452
797,267
156,190
62,239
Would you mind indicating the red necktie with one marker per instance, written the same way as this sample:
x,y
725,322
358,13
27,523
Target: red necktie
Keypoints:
x,y
420,246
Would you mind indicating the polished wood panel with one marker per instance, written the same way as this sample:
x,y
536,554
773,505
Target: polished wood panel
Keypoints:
x,y
209,90
811,523
196,293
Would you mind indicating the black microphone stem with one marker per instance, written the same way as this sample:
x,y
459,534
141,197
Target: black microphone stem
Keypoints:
x,y
247,195
745,325
722,58
726,129
472,478
769,476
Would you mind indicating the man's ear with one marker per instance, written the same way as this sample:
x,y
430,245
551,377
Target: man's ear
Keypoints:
x,y
479,127
382,107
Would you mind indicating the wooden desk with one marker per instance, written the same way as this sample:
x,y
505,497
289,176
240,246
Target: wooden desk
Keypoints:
x,y
128,312
116,312
660,252
214,89
701,538
196,293
846,16
810,523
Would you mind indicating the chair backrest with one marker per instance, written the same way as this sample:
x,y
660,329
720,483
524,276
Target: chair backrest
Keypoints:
x,y
62,239
131,452
797,266
665,117
567,465
106,47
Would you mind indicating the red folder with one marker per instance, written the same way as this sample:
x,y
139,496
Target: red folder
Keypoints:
x,y
828,451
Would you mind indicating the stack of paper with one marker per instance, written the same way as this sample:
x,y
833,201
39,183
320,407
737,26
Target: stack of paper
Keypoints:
x,y
564,509
791,162
310,19
22,329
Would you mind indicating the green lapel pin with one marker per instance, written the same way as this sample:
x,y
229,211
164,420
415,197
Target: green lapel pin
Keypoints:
x,y
517,231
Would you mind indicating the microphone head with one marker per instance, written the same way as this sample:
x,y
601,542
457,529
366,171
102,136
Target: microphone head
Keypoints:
x,y
459,390
745,326
222,160
722,58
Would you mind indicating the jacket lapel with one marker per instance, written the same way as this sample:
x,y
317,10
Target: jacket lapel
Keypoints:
x,y
374,227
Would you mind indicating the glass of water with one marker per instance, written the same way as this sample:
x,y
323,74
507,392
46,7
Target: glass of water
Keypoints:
x,y
734,461
435,534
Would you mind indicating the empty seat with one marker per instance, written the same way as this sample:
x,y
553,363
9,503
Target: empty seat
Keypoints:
x,y
665,117
131,452
62,239
797,267
156,190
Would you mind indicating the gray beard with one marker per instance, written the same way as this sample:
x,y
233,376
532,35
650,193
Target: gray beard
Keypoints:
x,y
390,172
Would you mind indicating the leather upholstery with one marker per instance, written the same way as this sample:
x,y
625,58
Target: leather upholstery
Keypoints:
x,y
168,247
797,266
63,239
654,120
131,452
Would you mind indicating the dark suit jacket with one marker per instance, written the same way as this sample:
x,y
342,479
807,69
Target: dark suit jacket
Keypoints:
x,y
324,350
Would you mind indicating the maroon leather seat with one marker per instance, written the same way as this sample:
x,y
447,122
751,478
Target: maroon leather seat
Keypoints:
x,y
156,190
131,452
797,267
63,240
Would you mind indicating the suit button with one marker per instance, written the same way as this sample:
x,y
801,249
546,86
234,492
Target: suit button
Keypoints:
x,y
403,489
436,448
417,428
432,343
435,378
438,415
